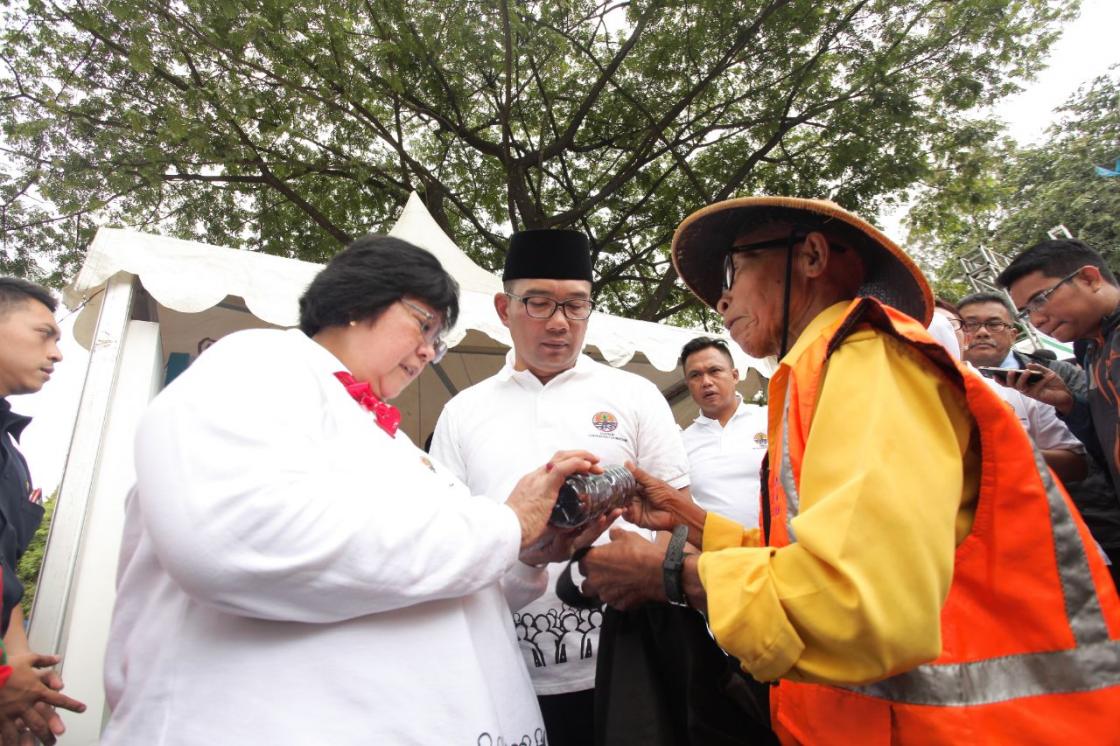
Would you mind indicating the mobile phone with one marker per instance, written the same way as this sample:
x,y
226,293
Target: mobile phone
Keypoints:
x,y
1000,374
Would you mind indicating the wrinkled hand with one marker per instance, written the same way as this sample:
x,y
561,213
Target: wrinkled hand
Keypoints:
x,y
558,545
625,573
658,505
29,698
1050,390
533,497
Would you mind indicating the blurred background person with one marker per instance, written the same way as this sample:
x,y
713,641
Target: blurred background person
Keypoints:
x,y
989,332
727,440
28,353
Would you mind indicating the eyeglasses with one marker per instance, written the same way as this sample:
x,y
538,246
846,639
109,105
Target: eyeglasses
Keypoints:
x,y
543,307
798,234
431,329
1039,300
993,325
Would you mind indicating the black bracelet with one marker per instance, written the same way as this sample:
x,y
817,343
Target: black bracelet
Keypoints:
x,y
672,567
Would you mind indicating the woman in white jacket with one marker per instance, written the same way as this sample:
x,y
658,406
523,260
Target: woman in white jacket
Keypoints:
x,y
294,570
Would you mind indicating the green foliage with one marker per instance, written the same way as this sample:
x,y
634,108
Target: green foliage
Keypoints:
x,y
289,127
990,192
32,560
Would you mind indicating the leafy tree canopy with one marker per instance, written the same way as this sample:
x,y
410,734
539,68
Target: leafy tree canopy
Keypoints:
x,y
288,127
989,192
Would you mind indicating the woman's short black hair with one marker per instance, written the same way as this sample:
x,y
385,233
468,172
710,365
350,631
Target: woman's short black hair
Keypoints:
x,y
368,276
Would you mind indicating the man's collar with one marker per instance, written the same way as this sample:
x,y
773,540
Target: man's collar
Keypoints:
x,y
828,316
508,371
1109,322
10,421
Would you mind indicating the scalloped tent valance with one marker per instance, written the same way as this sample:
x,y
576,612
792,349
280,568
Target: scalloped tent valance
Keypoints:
x,y
199,292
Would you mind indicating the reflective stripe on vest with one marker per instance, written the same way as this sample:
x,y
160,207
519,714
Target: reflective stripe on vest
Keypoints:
x,y
785,472
1093,664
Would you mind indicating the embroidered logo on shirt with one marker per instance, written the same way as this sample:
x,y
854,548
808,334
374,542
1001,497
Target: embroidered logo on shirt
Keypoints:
x,y
760,440
604,422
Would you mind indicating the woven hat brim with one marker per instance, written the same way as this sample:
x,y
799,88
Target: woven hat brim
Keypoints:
x,y
702,240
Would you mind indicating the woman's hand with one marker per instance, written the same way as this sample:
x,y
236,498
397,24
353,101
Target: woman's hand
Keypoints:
x,y
660,506
533,497
558,544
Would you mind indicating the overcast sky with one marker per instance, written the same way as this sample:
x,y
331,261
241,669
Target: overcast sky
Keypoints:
x,y
1087,49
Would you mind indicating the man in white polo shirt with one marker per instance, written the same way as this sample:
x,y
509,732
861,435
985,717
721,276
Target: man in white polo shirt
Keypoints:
x,y
726,443
549,394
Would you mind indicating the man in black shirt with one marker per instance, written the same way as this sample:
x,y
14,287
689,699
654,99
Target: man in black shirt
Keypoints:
x,y
1066,290
28,353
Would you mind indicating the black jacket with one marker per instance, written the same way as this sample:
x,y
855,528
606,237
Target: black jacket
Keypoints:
x,y
19,516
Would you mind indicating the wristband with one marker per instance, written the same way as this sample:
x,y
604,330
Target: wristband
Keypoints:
x,y
671,568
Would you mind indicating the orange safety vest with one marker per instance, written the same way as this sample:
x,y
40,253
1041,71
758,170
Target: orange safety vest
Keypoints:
x,y
1030,629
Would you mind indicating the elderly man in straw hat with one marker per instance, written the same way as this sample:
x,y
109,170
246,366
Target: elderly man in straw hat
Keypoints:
x,y
918,575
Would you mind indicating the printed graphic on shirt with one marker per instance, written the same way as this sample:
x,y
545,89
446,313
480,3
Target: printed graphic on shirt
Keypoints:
x,y
605,422
537,739
760,440
607,425
556,636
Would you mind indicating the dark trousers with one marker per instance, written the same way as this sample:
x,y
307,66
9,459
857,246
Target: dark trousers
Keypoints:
x,y
569,718
661,680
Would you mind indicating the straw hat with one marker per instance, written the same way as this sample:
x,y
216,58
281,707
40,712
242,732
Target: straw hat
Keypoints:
x,y
702,240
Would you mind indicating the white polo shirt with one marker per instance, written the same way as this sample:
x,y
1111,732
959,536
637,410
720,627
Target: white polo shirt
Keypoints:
x,y
495,432
724,462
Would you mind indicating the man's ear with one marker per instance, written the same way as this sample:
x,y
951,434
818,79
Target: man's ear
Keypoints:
x,y
814,254
501,305
735,373
1092,277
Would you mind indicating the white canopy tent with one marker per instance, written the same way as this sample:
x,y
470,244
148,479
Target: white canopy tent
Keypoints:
x,y
150,305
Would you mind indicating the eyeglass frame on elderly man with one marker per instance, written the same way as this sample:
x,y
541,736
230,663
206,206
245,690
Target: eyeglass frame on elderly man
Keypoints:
x,y
787,243
1038,301
796,236
439,347
567,305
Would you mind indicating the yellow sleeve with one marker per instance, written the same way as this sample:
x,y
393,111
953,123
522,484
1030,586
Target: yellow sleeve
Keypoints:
x,y
858,596
721,533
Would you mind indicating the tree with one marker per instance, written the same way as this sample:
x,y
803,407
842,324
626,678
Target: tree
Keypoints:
x,y
31,561
289,127
991,192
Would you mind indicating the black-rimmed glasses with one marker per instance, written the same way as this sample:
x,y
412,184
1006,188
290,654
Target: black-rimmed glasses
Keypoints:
x,y
774,243
1039,300
543,307
995,326
431,329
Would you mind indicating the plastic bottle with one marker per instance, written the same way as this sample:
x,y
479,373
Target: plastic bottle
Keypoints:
x,y
585,497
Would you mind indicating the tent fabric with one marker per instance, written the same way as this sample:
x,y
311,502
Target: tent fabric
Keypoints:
x,y
191,277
